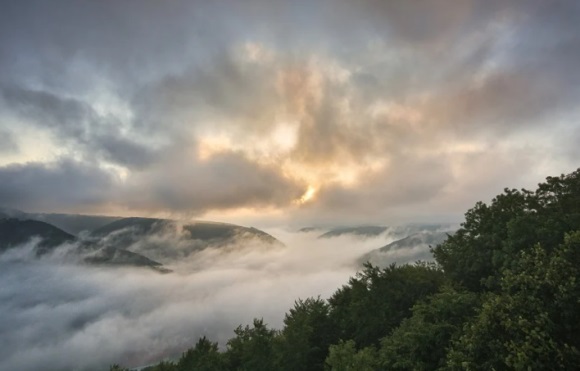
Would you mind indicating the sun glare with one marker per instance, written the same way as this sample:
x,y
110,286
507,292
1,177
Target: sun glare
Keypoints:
x,y
308,195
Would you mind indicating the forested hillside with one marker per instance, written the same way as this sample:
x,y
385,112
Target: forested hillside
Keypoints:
x,y
503,294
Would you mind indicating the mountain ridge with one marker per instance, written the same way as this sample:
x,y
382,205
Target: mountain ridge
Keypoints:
x,y
133,241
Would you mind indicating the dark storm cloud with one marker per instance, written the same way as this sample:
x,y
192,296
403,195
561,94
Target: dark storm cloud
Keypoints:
x,y
62,184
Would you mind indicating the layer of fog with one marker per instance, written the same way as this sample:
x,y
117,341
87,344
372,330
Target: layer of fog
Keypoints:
x,y
56,315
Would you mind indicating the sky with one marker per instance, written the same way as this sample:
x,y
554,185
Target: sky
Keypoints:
x,y
284,112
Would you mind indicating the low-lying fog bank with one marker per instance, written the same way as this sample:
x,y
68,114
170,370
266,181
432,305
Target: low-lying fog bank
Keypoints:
x,y
56,314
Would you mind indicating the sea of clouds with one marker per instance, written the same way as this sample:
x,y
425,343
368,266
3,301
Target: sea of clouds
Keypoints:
x,y
58,314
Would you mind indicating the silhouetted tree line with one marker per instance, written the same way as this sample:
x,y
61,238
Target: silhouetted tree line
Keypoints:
x,y
504,293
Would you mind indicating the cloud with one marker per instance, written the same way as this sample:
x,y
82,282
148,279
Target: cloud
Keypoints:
x,y
57,315
75,123
391,187
7,142
60,185
227,180
372,106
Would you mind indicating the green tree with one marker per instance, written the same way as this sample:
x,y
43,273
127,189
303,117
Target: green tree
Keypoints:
x,y
252,349
534,322
376,301
492,236
162,366
344,356
421,341
203,357
475,251
307,334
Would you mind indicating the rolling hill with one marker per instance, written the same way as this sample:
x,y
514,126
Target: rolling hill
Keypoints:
x,y
168,240
408,249
15,232
73,224
371,231
364,231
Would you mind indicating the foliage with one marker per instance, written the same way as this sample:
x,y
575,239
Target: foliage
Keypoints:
x,y
420,342
162,366
252,349
345,357
493,235
376,301
203,357
308,332
534,322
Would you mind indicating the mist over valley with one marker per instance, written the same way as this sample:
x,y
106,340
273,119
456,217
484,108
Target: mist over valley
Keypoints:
x,y
137,290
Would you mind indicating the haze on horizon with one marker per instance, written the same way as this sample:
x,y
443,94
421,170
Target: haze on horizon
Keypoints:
x,y
296,112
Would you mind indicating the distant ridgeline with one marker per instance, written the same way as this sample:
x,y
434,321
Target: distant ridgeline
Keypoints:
x,y
139,242
370,231
411,242
71,223
503,294
14,232
417,246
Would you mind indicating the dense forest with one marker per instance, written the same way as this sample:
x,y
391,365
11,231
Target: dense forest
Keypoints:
x,y
503,293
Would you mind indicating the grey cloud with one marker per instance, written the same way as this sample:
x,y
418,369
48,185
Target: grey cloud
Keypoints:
x,y
124,151
7,142
525,52
417,22
468,99
408,181
53,186
117,39
500,103
179,184
227,180
69,114
224,87
73,120
476,70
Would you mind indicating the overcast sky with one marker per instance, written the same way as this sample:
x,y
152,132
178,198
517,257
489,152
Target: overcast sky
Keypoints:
x,y
284,112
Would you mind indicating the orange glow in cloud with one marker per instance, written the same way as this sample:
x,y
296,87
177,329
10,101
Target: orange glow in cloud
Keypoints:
x,y
307,196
